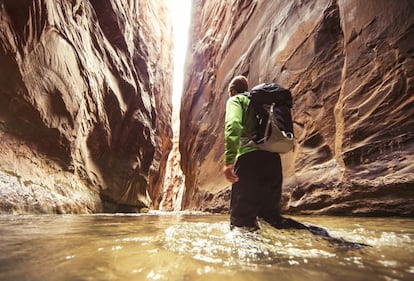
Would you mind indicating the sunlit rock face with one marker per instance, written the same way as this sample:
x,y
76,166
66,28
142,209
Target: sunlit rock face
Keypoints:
x,y
85,104
174,187
350,67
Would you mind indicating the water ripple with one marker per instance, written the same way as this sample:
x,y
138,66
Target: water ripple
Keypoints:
x,y
214,243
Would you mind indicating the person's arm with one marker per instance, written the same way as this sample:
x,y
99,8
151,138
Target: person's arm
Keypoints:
x,y
232,132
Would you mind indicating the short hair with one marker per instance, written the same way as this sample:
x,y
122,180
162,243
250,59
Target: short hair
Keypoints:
x,y
239,84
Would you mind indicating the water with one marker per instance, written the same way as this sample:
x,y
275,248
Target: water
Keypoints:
x,y
184,247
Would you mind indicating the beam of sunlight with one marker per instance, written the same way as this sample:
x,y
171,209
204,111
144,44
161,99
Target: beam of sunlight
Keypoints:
x,y
180,12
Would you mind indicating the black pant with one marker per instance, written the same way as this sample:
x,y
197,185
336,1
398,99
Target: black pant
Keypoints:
x,y
258,191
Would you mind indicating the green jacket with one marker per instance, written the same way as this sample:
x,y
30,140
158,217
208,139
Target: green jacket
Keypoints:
x,y
239,122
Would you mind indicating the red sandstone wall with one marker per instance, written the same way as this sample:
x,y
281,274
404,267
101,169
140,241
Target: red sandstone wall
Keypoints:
x,y
85,104
350,67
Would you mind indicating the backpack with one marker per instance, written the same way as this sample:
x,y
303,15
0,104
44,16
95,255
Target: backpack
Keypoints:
x,y
274,127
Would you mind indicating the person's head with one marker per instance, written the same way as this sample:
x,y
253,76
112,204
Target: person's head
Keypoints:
x,y
238,84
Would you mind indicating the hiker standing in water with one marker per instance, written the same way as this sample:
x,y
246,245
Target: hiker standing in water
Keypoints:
x,y
256,175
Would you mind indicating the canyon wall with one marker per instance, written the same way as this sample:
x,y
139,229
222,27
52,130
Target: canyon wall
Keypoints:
x,y
349,65
85,105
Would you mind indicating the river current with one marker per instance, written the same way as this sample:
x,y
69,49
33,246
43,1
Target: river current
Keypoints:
x,y
187,247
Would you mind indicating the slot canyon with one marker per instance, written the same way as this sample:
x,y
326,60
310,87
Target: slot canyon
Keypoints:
x,y
86,104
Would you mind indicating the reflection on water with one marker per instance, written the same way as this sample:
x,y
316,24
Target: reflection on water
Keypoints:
x,y
199,247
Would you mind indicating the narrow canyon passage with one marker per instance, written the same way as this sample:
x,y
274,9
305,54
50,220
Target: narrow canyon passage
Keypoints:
x,y
107,174
86,99
174,186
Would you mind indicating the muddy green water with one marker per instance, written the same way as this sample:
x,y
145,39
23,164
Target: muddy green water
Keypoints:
x,y
199,247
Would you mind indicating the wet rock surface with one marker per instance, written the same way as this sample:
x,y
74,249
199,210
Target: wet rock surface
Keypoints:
x,y
85,104
350,67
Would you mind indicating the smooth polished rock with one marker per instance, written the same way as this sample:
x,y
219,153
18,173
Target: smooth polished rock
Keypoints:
x,y
350,68
85,89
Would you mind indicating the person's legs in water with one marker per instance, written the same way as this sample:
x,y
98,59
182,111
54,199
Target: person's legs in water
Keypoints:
x,y
257,193
246,193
